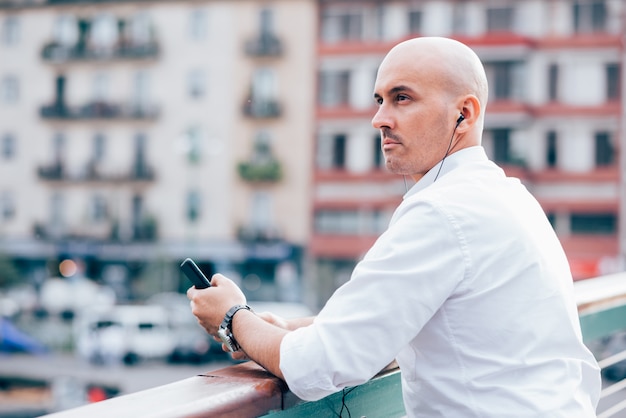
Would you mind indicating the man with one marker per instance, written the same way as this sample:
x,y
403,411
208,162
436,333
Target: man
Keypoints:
x,y
468,289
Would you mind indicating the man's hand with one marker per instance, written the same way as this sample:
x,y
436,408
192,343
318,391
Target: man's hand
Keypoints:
x,y
211,304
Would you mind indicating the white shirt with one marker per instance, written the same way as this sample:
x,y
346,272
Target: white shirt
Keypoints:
x,y
470,291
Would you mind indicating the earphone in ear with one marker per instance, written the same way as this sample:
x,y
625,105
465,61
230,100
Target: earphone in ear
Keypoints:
x,y
460,119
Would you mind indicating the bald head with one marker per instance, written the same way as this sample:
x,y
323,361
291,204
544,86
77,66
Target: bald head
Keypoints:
x,y
422,88
453,66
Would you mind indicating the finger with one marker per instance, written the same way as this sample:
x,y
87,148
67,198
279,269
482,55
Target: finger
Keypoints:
x,y
239,355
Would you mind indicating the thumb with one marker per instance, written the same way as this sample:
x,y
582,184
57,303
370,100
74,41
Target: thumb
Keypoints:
x,y
217,279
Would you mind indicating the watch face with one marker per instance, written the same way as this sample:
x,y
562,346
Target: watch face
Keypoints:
x,y
227,339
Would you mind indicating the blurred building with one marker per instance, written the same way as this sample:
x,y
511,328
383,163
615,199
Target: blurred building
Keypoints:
x,y
134,134
553,119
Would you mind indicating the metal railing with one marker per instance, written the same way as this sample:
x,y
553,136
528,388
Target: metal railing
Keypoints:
x,y
246,390
602,311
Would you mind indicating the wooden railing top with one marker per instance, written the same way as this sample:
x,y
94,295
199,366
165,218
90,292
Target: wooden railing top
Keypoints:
x,y
600,292
243,390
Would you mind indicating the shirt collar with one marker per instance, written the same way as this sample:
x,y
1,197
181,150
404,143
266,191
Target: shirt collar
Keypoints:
x,y
452,161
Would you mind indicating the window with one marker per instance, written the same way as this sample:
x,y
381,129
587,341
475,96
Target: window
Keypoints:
x,y
59,86
379,157
613,81
100,86
593,223
140,29
7,147
141,90
7,206
263,100
331,152
267,21
58,147
460,18
103,33
551,149
589,16
11,31
262,151
57,209
9,90
66,30
341,25
605,154
193,205
334,88
553,82
349,222
264,85
261,210
194,144
415,21
502,73
140,167
500,19
196,83
501,145
198,25
98,208
98,147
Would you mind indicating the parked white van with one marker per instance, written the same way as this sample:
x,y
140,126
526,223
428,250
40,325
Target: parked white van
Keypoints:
x,y
124,333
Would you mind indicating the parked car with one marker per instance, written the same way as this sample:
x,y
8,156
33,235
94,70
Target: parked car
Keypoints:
x,y
68,297
192,343
124,333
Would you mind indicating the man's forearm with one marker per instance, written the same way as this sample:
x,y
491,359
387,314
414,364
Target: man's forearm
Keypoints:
x,y
259,339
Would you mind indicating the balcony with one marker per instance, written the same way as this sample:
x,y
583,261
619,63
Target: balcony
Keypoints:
x,y
252,234
100,110
264,45
57,171
55,52
246,390
90,236
262,109
260,172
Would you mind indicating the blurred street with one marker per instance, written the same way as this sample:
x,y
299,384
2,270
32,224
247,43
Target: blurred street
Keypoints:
x,y
69,377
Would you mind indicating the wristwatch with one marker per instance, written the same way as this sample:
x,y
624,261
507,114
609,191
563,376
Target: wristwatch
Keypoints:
x,y
225,331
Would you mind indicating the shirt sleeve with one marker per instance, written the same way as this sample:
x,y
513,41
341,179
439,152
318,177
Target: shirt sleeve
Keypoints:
x,y
401,282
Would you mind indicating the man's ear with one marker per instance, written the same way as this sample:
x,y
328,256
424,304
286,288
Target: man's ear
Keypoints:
x,y
469,113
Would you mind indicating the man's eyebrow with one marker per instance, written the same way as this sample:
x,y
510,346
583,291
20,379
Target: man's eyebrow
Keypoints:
x,y
395,90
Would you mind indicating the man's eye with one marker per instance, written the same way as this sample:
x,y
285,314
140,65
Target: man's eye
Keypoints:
x,y
402,97
379,100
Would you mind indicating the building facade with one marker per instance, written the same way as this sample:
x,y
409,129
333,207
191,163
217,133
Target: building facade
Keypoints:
x,y
554,117
134,134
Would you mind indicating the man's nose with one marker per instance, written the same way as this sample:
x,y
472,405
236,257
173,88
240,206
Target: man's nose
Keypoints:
x,y
382,119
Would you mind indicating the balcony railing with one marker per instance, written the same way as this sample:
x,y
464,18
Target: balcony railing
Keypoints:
x,y
265,108
99,110
246,390
57,172
81,52
260,172
264,45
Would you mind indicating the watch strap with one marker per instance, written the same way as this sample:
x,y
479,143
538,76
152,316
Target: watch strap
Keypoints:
x,y
227,323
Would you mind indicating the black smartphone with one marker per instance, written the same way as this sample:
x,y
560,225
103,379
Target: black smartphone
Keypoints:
x,y
193,273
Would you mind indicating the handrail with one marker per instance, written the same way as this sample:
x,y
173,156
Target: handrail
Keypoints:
x,y
246,390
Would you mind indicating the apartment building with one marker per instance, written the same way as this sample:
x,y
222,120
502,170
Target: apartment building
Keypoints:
x,y
554,117
134,134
